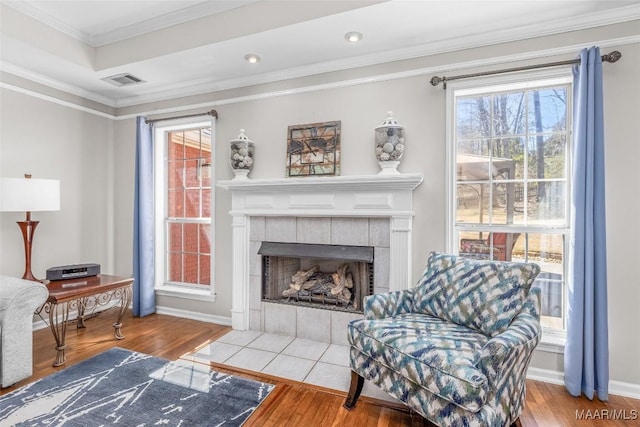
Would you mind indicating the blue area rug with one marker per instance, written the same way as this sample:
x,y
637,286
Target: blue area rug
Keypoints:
x,y
125,388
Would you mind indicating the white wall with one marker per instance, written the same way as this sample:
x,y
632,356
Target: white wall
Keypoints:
x,y
420,107
57,142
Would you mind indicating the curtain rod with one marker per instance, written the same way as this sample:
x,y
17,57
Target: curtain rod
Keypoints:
x,y
213,113
436,80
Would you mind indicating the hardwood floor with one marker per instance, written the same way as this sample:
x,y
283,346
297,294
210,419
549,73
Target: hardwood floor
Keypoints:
x,y
293,403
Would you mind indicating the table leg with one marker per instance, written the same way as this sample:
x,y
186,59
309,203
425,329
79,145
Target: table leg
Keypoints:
x,y
81,306
59,328
125,300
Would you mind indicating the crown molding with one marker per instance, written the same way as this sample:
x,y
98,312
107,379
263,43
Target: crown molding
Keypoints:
x,y
426,49
57,101
369,60
55,84
153,24
199,87
167,20
38,14
493,61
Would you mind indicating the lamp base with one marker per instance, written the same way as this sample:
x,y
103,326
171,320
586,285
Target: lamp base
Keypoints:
x,y
28,229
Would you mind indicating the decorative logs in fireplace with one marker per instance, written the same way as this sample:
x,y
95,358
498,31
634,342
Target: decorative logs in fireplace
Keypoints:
x,y
315,286
332,277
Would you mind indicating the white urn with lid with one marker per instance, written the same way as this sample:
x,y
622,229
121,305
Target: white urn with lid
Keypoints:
x,y
390,145
241,155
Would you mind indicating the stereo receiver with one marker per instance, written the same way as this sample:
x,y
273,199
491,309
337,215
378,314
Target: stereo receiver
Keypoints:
x,y
64,272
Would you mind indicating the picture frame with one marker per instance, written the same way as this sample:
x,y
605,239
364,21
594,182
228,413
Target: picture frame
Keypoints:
x,y
313,149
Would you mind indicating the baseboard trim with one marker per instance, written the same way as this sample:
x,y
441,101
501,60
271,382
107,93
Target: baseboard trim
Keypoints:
x,y
617,388
620,388
209,318
545,375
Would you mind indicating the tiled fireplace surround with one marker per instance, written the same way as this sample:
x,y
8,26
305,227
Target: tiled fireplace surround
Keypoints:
x,y
317,324
372,210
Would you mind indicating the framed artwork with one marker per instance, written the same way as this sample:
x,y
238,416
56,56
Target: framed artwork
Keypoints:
x,y
313,149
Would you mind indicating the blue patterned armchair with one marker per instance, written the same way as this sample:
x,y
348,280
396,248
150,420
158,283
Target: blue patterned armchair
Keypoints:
x,y
456,348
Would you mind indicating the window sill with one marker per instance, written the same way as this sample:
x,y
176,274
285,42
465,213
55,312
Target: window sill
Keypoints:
x,y
552,342
186,293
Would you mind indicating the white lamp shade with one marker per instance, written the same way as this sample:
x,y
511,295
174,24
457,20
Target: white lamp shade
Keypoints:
x,y
29,195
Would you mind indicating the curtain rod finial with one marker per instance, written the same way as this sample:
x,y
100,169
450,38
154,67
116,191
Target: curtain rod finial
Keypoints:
x,y
612,56
435,80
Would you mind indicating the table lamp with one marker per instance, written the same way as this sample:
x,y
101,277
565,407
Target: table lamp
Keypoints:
x,y
29,195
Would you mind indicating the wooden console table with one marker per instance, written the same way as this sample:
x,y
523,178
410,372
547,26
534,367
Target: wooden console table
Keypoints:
x,y
84,294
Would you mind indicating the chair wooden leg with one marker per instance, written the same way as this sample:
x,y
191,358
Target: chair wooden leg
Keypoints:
x,y
354,391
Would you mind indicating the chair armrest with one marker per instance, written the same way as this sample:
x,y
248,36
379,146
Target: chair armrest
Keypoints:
x,y
509,353
379,306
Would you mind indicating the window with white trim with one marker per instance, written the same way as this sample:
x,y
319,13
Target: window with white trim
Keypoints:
x,y
509,175
184,211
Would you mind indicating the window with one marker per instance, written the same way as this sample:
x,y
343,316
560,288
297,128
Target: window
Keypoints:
x,y
509,179
184,249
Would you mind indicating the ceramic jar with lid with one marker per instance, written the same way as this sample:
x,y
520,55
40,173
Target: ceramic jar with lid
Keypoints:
x,y
390,145
241,155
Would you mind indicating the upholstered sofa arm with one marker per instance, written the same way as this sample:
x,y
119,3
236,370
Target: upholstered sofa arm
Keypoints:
x,y
505,358
379,306
18,300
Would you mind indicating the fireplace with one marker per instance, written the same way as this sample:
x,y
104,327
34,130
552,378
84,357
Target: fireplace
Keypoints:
x,y
334,277
367,210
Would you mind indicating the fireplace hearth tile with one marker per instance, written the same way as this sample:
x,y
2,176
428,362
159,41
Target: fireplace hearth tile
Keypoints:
x,y
240,338
306,349
217,352
330,376
271,342
303,360
293,368
255,320
314,324
339,322
251,358
279,319
336,355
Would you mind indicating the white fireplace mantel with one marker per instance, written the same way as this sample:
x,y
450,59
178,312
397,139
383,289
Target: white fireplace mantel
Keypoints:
x,y
366,196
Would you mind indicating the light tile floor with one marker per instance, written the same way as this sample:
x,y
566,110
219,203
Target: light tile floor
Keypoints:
x,y
311,362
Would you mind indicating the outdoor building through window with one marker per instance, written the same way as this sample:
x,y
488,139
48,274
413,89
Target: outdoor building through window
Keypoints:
x,y
510,180
183,205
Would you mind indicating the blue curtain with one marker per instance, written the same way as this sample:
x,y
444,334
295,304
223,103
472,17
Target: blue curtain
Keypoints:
x,y
586,356
144,299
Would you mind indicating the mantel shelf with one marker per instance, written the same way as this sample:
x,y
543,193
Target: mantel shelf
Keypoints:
x,y
404,181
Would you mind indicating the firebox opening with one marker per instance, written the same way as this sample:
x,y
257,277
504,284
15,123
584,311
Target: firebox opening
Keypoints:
x,y
335,277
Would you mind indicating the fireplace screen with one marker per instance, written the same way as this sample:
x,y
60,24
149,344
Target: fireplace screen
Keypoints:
x,y
327,276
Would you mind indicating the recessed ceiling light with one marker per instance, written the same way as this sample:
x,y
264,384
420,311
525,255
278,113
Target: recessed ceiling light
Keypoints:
x,y
252,58
353,36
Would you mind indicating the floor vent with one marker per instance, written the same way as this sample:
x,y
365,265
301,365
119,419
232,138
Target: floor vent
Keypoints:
x,y
124,79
